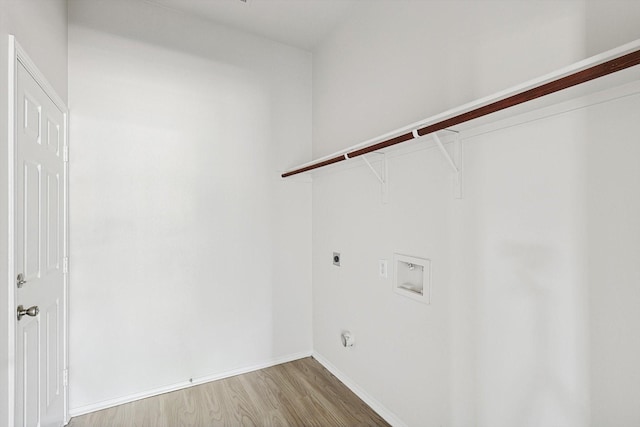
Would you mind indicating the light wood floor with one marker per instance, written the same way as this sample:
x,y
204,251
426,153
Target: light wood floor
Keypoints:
x,y
299,393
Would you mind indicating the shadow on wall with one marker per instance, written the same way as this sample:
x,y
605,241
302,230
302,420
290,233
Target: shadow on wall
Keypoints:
x,y
187,34
613,206
544,390
524,256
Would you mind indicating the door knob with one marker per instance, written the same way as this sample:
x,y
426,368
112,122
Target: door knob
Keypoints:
x,y
31,311
20,280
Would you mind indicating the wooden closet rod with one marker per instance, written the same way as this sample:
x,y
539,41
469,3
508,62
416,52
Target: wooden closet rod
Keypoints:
x,y
614,65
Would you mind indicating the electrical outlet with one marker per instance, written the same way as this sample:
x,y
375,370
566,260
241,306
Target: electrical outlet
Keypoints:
x,y
382,268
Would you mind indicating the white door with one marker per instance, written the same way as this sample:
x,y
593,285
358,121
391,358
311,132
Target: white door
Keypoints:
x,y
40,244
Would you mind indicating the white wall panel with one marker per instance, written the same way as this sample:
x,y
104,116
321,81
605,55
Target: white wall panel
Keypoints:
x,y
188,250
531,274
613,229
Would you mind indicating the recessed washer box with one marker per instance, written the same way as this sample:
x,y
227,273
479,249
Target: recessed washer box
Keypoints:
x,y
412,277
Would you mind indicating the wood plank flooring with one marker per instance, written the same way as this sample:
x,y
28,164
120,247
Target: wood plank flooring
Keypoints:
x,y
298,393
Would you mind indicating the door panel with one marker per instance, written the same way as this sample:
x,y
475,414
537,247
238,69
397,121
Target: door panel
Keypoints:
x,y
31,374
53,221
32,118
53,136
53,362
31,227
39,255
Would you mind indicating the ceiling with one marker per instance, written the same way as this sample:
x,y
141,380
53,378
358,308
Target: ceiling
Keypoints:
x,y
299,23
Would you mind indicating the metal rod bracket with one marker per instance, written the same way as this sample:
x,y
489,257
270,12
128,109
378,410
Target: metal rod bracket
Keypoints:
x,y
382,177
454,160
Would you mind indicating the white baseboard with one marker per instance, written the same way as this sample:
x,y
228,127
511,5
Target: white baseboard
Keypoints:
x,y
74,412
389,416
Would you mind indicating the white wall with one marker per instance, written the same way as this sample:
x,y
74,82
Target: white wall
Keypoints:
x,y
613,231
190,255
532,319
40,26
395,63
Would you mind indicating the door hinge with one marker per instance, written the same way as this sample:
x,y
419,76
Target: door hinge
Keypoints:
x,y
65,153
65,378
65,265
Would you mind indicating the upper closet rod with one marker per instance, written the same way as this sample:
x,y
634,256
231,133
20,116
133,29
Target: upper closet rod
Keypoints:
x,y
611,66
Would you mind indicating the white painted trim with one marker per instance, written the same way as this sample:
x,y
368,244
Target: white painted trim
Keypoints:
x,y
38,76
67,276
11,294
18,54
74,412
385,413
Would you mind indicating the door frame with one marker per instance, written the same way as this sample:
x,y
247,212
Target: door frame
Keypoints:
x,y
18,55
